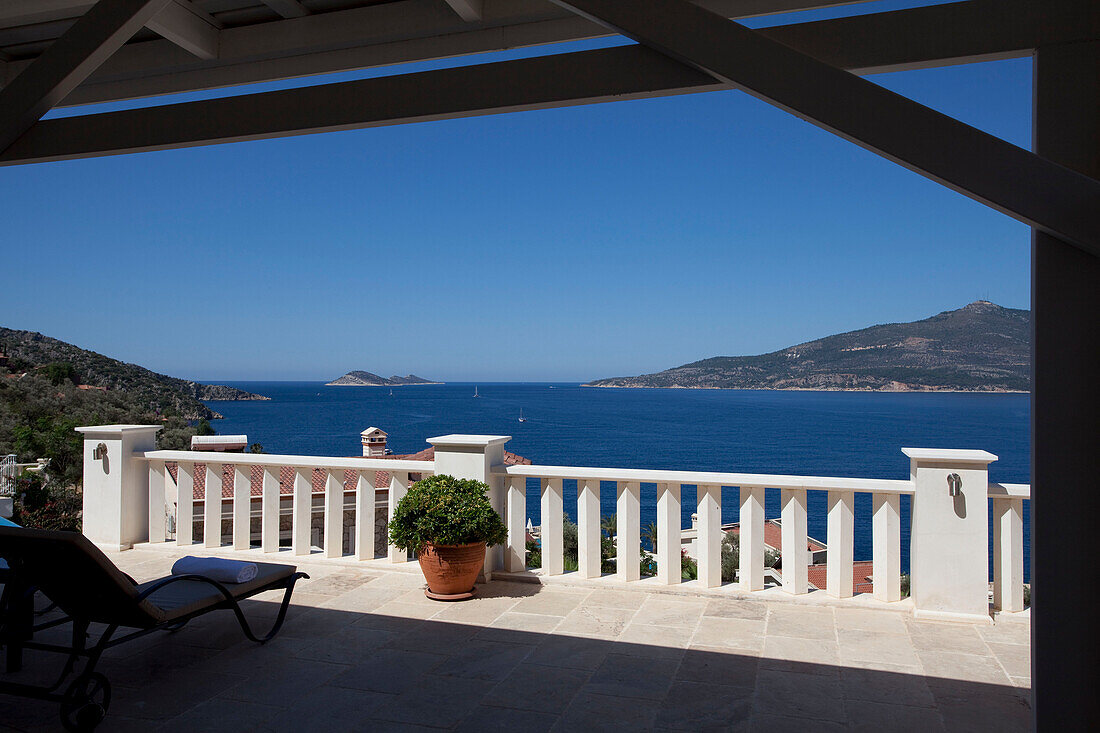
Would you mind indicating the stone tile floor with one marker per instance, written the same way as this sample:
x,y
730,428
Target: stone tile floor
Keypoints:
x,y
365,650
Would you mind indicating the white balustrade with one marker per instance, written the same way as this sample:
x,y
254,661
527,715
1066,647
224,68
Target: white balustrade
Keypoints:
x,y
1007,503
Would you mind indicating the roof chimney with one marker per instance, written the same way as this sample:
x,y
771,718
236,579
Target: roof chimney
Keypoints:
x,y
374,443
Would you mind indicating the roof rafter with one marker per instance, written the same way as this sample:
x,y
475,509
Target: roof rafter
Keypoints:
x,y
182,24
1001,175
469,10
287,8
69,61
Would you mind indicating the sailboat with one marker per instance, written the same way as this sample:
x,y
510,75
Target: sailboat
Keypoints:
x,y
391,392
475,391
521,417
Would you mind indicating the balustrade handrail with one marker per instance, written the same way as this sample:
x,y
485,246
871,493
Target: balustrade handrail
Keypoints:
x,y
708,478
293,461
1009,491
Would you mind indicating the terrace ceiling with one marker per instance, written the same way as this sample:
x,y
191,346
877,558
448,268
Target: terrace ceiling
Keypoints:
x,y
153,47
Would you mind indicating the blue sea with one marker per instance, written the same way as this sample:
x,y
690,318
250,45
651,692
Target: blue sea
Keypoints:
x,y
858,434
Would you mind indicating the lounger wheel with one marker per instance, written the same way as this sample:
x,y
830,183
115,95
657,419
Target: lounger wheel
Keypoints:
x,y
89,697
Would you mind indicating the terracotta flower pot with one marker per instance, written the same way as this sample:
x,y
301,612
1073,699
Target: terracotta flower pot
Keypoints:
x,y
451,570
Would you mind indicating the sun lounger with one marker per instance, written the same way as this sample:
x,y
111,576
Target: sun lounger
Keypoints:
x,y
74,574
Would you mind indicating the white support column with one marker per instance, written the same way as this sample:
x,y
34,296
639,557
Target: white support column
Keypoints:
x,y
668,534
212,506
886,553
364,516
795,556
269,510
302,512
515,556
157,515
841,541
399,486
185,503
116,484
242,506
588,528
751,539
1008,554
628,530
949,575
334,513
475,456
553,519
709,539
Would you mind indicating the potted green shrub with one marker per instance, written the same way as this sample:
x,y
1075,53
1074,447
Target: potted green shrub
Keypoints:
x,y
448,523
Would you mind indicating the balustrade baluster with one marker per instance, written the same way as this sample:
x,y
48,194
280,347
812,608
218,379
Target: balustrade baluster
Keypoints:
x,y
185,502
588,528
399,486
751,538
242,506
1008,554
795,561
157,517
553,510
708,541
628,530
516,553
364,515
841,541
668,534
334,513
269,510
886,554
302,512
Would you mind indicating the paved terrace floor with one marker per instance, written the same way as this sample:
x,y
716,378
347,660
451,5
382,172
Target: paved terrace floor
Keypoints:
x,y
365,650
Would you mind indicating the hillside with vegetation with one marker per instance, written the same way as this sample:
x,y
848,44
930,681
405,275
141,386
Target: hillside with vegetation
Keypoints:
x,y
367,379
981,347
28,351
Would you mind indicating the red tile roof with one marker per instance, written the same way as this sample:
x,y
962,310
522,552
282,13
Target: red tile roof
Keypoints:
x,y
773,535
861,576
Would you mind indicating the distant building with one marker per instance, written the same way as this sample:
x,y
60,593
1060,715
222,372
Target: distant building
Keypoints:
x,y
220,443
374,442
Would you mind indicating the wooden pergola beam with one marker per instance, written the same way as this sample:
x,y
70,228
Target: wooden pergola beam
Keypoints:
x,y
68,61
1003,176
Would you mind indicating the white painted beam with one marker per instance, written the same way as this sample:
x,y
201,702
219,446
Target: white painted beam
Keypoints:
x,y
334,513
886,552
212,506
68,61
841,539
795,554
269,510
751,539
708,542
469,10
628,530
553,519
301,528
364,515
178,23
399,486
242,507
668,534
588,528
515,556
1003,176
185,503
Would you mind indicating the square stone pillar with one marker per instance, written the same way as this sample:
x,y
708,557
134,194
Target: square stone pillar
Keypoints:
x,y
116,484
949,558
473,456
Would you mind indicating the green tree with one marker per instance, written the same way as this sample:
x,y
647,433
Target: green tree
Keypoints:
x,y
60,372
608,524
650,534
203,427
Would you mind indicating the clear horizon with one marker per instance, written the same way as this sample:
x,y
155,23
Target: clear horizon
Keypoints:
x,y
562,245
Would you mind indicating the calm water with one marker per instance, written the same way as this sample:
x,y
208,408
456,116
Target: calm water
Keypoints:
x,y
821,433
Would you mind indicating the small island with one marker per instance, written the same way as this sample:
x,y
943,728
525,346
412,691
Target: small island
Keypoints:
x,y
367,379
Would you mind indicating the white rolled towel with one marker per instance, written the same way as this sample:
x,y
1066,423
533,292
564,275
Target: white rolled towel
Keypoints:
x,y
215,568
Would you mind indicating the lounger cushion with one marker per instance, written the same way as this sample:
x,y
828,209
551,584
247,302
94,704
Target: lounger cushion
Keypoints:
x,y
182,597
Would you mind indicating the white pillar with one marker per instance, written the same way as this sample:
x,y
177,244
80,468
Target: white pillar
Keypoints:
x,y
334,513
474,456
185,503
242,506
668,534
751,538
795,557
212,506
116,484
841,542
709,542
588,528
886,553
364,516
302,512
157,504
628,531
1008,554
949,565
399,486
553,520
269,510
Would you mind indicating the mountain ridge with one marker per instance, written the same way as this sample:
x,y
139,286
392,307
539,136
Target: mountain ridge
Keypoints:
x,y
981,347
359,378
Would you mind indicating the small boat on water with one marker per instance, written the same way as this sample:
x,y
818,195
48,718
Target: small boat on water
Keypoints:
x,y
475,391
521,417
391,393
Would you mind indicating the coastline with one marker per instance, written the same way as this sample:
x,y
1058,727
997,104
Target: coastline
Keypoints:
x,y
814,389
348,384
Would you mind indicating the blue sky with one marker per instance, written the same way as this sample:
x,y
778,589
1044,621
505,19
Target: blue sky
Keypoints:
x,y
563,244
